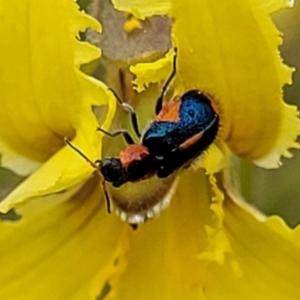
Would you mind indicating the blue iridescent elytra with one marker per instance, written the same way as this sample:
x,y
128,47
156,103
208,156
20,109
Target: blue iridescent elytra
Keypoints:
x,y
185,127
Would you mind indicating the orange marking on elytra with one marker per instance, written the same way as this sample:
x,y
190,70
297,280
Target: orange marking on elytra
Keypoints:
x,y
191,141
215,107
133,152
170,111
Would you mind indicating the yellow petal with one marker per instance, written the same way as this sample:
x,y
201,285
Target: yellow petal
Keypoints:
x,y
143,9
64,169
230,53
55,102
271,6
162,260
249,258
66,247
267,255
287,132
43,94
154,72
233,56
214,159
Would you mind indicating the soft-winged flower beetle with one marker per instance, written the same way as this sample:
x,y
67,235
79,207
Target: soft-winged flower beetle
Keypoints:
x,y
183,128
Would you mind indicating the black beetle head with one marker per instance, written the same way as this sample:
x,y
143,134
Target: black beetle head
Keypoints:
x,y
113,171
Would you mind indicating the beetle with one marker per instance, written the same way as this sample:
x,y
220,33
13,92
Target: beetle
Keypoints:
x,y
183,128
133,164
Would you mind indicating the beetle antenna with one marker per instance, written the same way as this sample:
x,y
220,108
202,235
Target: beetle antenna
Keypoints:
x,y
94,165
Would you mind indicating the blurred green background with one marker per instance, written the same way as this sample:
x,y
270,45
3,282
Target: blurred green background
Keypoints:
x,y
272,191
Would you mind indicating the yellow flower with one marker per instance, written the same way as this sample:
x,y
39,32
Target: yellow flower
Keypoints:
x,y
208,244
